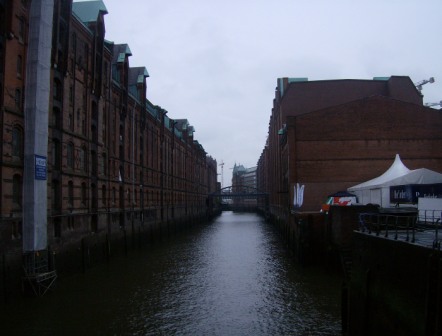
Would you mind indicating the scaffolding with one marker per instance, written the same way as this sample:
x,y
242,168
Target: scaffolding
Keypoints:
x,y
39,272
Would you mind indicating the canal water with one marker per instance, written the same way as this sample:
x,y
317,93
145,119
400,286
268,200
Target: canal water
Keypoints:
x,y
232,276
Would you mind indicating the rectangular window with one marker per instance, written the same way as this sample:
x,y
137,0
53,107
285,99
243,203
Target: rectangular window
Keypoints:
x,y
83,193
83,159
17,187
71,193
71,122
21,29
70,155
19,66
56,154
17,98
57,228
17,142
71,95
74,43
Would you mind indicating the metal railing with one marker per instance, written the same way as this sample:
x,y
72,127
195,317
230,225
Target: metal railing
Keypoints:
x,y
431,220
425,224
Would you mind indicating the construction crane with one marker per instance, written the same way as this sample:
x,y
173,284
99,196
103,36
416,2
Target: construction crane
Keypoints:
x,y
222,173
434,104
423,82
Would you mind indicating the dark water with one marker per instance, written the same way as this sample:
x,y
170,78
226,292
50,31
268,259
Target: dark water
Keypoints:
x,y
230,277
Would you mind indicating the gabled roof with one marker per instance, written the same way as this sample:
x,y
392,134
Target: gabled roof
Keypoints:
x,y
300,96
182,124
88,11
137,75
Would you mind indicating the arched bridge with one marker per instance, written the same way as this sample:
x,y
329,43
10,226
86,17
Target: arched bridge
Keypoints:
x,y
242,198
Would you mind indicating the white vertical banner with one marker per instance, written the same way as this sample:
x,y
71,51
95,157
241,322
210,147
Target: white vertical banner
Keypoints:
x,y
298,195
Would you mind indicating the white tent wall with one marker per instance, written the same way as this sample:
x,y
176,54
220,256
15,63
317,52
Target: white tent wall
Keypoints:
x,y
385,203
430,210
375,196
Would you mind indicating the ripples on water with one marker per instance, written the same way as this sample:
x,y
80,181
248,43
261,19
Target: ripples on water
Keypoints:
x,y
231,277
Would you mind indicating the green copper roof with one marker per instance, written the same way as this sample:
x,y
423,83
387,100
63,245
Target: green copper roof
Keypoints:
x,y
88,11
298,79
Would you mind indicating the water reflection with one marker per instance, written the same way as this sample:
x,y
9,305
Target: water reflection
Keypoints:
x,y
231,277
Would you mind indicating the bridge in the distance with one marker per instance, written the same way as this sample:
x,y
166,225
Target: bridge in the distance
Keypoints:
x,y
241,198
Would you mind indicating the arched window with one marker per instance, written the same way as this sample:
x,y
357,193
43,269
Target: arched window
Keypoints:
x,y
57,227
18,98
21,29
94,111
94,163
16,229
94,196
70,155
83,123
104,164
17,187
141,151
121,174
17,142
74,42
121,133
19,65
56,195
56,117
103,126
94,134
58,91
71,91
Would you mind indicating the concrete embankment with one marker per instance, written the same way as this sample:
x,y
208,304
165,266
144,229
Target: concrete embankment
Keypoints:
x,y
395,288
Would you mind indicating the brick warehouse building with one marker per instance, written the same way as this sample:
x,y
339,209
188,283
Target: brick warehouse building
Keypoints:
x,y
114,160
333,134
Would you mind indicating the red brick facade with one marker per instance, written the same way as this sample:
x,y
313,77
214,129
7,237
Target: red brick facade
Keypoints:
x,y
331,135
114,158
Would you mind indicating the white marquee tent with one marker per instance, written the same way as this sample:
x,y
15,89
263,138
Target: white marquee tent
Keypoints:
x,y
377,190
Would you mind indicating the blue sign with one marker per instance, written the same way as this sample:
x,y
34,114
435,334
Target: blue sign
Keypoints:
x,y
40,167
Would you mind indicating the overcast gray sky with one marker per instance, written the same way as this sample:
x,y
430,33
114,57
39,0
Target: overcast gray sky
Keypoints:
x,y
216,62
